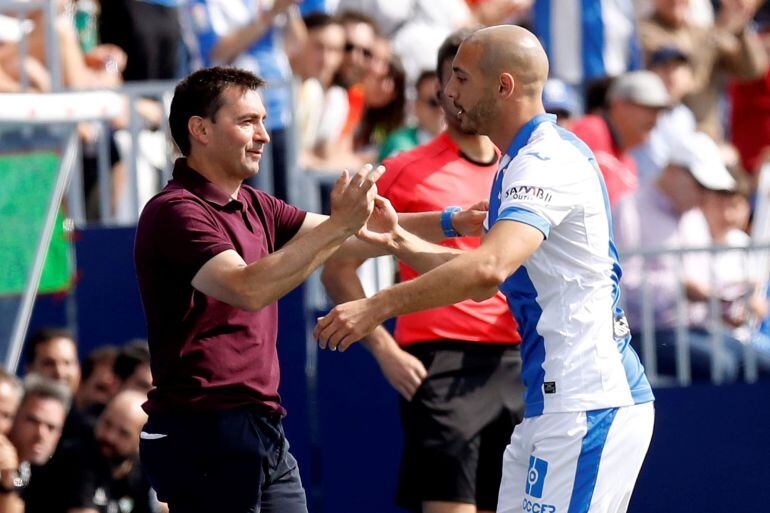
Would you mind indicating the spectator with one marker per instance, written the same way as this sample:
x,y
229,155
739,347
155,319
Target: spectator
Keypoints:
x,y
454,441
257,36
674,69
148,31
653,218
587,41
98,383
322,106
750,113
561,100
429,116
634,101
101,474
35,434
53,353
731,46
132,367
10,395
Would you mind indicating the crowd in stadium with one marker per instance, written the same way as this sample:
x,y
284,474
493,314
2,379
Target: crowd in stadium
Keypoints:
x,y
672,97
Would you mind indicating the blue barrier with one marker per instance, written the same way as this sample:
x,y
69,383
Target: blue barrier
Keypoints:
x,y
709,452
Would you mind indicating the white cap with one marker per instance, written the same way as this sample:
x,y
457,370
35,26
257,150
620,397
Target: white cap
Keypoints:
x,y
643,88
699,154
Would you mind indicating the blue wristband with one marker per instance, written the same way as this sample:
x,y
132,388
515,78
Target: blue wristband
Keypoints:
x,y
446,221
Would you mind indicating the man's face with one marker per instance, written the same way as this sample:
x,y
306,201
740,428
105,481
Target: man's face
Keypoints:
x,y
677,76
470,91
37,429
58,359
324,52
633,122
359,44
9,401
427,108
686,191
117,432
100,386
140,380
237,134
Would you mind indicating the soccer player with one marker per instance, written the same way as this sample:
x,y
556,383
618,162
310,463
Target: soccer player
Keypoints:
x,y
588,405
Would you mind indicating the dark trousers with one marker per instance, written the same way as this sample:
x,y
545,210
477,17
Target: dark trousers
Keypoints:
x,y
235,461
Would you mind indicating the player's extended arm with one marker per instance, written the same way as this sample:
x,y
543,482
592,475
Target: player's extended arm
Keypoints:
x,y
475,274
402,370
227,278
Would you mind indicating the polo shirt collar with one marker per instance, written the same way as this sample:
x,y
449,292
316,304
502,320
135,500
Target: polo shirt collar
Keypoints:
x,y
525,132
202,187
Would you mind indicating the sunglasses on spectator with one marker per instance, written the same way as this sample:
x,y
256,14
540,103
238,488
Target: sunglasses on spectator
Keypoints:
x,y
349,47
431,101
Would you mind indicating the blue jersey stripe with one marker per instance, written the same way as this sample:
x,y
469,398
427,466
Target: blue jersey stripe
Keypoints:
x,y
599,423
522,215
592,40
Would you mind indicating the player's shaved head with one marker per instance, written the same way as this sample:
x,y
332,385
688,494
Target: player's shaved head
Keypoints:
x,y
514,50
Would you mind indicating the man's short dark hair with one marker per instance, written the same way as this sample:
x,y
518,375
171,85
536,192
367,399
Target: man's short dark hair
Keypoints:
x,y
200,94
428,74
131,356
316,20
42,336
37,385
353,16
449,48
104,355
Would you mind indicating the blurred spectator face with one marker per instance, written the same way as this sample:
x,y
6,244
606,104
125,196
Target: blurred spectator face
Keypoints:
x,y
324,52
118,428
427,108
9,402
677,76
58,359
684,191
359,43
235,139
37,428
380,60
469,91
725,211
100,386
673,12
379,87
140,380
633,122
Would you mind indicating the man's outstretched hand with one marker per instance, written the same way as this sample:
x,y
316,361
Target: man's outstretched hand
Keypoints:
x,y
347,323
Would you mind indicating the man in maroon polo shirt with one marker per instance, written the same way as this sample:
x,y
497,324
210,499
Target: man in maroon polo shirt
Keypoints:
x,y
212,257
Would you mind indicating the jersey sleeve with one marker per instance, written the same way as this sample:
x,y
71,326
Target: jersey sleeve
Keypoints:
x,y
532,193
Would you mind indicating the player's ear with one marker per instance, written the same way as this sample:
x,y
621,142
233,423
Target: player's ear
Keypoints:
x,y
506,85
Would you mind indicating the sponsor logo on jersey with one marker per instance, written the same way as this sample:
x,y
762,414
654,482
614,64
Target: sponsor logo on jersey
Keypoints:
x,y
528,192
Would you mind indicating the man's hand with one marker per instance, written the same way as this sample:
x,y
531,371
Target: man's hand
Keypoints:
x,y
353,199
402,370
381,227
470,222
735,15
347,323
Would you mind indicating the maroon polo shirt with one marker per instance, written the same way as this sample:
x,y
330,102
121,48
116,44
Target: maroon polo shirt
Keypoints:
x,y
208,355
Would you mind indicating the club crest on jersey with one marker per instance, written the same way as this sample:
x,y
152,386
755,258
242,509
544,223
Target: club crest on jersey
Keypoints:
x,y
528,192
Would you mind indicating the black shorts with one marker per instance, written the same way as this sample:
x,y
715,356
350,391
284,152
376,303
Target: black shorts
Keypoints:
x,y
459,423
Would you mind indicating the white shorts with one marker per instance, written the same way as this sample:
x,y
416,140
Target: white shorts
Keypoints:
x,y
576,462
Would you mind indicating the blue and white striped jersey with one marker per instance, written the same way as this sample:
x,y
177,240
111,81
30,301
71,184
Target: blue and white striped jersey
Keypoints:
x,y
575,339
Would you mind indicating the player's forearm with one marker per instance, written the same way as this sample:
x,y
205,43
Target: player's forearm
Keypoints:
x,y
426,225
420,255
269,279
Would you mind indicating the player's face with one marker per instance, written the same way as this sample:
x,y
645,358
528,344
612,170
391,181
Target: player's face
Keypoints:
x,y
58,359
469,92
237,134
37,429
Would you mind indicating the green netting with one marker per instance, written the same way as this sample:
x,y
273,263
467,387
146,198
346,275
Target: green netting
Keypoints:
x,y
27,181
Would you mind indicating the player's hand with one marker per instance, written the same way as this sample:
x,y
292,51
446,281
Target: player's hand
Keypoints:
x,y
352,199
402,370
470,222
381,227
345,324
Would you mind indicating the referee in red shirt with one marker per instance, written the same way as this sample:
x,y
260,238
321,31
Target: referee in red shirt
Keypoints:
x,y
457,368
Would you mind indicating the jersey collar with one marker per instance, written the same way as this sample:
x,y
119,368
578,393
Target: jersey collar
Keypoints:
x,y
525,132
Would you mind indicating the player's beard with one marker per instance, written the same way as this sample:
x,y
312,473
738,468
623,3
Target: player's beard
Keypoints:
x,y
478,117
